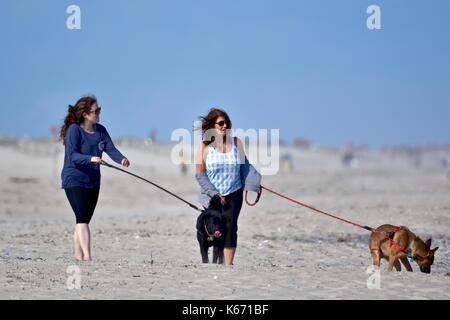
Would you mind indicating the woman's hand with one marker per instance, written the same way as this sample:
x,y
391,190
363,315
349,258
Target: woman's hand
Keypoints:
x,y
125,162
96,160
223,201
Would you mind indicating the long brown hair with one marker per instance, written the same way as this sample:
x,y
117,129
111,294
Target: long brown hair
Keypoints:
x,y
209,121
75,114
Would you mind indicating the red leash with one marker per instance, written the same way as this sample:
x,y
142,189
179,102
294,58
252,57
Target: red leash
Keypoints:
x,y
389,235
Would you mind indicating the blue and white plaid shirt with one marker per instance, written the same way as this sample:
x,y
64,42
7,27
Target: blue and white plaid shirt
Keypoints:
x,y
223,170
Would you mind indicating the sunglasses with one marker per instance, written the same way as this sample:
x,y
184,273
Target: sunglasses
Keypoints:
x,y
97,111
221,123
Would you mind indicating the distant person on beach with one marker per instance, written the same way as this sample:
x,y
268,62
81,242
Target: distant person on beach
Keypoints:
x,y
223,173
84,140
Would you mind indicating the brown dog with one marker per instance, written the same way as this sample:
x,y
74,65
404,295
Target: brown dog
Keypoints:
x,y
397,243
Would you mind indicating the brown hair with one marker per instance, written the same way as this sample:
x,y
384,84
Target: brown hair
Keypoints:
x,y
209,121
75,114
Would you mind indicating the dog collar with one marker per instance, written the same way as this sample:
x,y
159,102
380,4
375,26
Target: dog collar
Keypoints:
x,y
210,236
410,257
409,251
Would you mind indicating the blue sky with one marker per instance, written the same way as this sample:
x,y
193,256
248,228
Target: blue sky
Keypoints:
x,y
309,68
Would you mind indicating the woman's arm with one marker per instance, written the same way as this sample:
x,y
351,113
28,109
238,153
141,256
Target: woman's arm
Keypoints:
x,y
250,177
200,174
112,151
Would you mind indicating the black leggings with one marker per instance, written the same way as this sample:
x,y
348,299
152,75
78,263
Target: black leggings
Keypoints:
x,y
230,212
83,202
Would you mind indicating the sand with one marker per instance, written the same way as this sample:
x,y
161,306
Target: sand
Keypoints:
x,y
144,241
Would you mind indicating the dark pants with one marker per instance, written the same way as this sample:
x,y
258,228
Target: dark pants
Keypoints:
x,y
83,202
230,213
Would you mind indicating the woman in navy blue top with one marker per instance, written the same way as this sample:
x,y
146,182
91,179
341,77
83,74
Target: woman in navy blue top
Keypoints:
x,y
85,140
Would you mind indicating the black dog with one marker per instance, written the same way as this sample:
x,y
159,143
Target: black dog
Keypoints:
x,y
209,234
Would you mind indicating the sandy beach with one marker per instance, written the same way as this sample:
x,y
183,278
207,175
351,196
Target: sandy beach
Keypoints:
x,y
144,241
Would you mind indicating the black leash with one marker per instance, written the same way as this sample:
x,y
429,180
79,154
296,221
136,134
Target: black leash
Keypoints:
x,y
154,184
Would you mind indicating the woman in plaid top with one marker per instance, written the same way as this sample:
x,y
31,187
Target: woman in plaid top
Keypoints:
x,y
219,165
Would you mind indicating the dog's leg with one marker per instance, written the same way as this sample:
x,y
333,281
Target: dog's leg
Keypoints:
x,y
204,253
375,257
406,264
397,265
220,253
391,263
393,259
215,254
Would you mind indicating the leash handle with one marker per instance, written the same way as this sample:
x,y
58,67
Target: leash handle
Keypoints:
x,y
256,200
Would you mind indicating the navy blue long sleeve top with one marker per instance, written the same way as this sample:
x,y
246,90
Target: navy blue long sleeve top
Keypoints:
x,y
78,170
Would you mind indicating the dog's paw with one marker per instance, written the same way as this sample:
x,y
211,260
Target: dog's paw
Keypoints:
x,y
372,269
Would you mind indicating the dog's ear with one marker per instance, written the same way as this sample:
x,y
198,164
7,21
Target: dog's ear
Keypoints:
x,y
200,220
434,250
428,243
